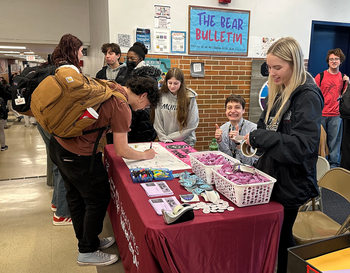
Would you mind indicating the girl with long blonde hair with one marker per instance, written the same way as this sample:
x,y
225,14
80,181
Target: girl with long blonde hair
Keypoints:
x,y
288,135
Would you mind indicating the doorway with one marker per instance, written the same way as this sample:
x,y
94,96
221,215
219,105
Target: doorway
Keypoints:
x,y
326,36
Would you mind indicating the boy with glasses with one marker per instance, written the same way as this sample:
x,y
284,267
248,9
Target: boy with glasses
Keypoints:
x,y
332,83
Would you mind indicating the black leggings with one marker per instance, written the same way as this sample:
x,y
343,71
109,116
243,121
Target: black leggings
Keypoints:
x,y
286,238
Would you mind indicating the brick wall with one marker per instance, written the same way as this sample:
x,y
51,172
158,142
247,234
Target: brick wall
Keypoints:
x,y
223,76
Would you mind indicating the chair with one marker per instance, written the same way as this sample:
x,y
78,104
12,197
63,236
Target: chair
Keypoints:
x,y
322,166
314,225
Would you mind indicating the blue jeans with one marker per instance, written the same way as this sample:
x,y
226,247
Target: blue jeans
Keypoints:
x,y
334,128
59,192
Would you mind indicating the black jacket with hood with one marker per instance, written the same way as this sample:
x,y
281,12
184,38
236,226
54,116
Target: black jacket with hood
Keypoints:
x,y
291,149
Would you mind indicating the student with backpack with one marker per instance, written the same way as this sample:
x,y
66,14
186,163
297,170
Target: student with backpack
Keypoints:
x,y
3,115
332,84
88,191
3,118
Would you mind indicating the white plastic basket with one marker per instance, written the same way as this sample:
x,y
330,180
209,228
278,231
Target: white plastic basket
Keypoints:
x,y
244,195
204,171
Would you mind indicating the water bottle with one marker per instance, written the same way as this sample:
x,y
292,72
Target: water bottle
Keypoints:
x,y
213,146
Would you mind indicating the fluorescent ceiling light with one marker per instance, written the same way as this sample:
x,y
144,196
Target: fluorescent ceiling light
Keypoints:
x,y
13,47
16,56
9,52
28,52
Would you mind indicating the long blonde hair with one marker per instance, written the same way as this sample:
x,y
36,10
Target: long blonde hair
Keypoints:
x,y
289,50
183,101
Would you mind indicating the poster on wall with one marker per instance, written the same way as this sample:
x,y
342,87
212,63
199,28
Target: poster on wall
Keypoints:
x,y
3,67
216,31
162,17
258,46
161,41
143,35
124,40
15,68
162,64
265,45
178,42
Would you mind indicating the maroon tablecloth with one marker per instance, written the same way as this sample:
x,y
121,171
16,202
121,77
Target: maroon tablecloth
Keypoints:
x,y
245,240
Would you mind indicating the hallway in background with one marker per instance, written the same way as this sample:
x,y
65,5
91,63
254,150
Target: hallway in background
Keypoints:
x,y
29,241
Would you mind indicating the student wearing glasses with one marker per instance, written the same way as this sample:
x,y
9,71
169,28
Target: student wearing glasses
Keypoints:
x,y
332,86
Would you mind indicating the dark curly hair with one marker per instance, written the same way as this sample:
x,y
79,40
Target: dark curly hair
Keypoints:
x,y
147,70
145,84
337,52
67,51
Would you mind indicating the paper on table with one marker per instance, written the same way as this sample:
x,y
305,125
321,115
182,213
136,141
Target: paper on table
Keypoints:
x,y
163,158
166,203
160,188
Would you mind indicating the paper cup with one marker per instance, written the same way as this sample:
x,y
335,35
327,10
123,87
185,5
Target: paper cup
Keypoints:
x,y
247,150
89,113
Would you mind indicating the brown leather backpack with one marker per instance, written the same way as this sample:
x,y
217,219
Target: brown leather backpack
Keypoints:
x,y
60,100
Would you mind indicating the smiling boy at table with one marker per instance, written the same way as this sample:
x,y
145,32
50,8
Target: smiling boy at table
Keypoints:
x,y
88,193
235,108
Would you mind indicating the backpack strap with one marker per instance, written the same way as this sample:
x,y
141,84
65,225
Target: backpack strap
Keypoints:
x,y
344,83
321,77
101,129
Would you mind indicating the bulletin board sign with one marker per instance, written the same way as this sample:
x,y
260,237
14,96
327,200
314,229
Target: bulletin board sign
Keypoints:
x,y
216,31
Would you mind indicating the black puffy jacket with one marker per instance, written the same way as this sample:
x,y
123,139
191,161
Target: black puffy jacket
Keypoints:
x,y
141,127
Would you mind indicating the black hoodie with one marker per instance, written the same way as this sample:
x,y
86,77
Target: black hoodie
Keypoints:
x,y
291,150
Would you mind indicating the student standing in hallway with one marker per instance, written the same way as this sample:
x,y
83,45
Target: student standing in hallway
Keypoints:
x,y
288,135
88,192
141,126
112,54
331,82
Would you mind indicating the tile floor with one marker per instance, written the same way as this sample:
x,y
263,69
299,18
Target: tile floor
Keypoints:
x,y
29,242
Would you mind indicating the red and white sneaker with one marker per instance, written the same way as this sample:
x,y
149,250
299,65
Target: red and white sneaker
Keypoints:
x,y
53,208
61,221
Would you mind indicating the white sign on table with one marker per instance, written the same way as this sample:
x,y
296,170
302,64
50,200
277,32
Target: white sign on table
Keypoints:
x,y
163,158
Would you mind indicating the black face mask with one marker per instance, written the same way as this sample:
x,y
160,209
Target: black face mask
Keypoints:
x,y
131,64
